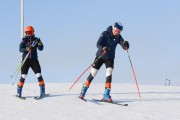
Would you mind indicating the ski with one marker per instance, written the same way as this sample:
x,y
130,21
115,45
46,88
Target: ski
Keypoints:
x,y
82,99
41,97
116,103
22,98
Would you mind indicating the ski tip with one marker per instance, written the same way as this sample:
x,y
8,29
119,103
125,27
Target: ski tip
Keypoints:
x,y
38,98
117,103
41,97
124,104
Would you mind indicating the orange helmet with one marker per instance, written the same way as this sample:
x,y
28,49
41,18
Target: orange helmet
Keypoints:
x,y
29,30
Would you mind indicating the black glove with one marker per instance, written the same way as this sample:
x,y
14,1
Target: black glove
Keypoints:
x,y
107,49
38,41
125,45
29,48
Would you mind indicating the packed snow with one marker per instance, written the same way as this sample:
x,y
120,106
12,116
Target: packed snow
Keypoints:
x,y
156,103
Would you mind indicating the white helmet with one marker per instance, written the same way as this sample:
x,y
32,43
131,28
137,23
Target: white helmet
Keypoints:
x,y
118,25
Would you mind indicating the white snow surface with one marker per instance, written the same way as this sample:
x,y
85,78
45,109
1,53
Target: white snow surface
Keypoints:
x,y
156,103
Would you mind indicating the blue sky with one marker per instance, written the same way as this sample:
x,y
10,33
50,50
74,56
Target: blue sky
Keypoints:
x,y
70,30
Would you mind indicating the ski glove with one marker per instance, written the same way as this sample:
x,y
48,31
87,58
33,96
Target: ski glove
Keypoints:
x,y
38,41
107,49
125,45
29,48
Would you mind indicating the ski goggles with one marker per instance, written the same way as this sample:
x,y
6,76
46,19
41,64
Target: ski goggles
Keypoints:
x,y
117,30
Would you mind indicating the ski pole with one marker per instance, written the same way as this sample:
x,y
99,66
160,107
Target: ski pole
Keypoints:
x,y
22,63
133,73
104,52
19,68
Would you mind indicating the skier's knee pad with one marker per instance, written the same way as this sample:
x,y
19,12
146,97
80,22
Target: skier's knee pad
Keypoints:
x,y
94,72
38,75
21,81
23,76
109,71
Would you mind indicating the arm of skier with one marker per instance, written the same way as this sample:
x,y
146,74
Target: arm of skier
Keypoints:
x,y
40,44
22,47
100,42
124,44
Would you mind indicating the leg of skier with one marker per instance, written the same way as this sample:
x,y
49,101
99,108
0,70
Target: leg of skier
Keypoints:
x,y
96,66
109,70
37,70
41,84
20,85
24,71
88,82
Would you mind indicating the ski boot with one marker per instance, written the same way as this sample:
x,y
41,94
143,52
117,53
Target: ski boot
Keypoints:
x,y
83,92
107,97
19,91
42,90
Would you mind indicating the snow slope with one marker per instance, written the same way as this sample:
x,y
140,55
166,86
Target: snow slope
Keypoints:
x,y
157,103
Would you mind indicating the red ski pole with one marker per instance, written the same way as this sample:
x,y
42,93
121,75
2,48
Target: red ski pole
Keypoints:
x,y
87,69
133,73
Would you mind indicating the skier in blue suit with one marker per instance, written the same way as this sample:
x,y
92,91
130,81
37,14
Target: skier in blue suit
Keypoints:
x,y
30,44
107,42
